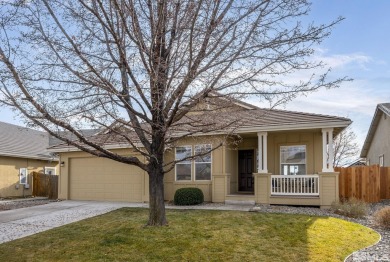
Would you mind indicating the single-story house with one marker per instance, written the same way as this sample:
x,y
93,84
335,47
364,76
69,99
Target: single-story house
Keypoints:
x,y
22,151
278,157
376,147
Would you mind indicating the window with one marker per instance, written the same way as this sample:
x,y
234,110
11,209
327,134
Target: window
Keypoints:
x,y
23,176
381,160
293,160
200,166
203,162
50,170
183,169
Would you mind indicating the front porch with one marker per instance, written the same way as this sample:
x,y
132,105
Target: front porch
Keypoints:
x,y
291,156
311,190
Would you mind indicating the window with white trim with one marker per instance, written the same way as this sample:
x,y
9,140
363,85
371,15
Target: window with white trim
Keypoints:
x,y
203,162
381,160
183,169
293,160
50,170
197,169
23,176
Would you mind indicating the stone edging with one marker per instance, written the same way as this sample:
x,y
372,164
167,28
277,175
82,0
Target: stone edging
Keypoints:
x,y
350,256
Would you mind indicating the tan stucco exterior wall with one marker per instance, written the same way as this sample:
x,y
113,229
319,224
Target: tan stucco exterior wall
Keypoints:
x,y
224,175
380,144
218,167
9,174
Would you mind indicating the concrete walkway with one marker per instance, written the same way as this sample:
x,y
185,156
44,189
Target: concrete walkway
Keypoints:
x,y
18,223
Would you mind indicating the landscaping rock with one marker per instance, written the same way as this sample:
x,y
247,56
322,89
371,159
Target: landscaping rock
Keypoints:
x,y
8,204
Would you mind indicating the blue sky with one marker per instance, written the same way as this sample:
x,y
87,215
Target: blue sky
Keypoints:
x,y
357,48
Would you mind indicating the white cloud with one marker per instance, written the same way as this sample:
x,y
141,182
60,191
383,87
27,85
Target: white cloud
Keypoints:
x,y
356,100
338,61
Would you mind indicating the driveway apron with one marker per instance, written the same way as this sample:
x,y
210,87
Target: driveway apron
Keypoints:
x,y
18,223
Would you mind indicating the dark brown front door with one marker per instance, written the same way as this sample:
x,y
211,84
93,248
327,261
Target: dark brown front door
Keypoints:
x,y
245,170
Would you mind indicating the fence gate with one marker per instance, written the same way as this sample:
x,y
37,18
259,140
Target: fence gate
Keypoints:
x,y
45,185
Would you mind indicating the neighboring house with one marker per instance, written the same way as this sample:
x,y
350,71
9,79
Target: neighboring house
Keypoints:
x,y
280,157
358,162
376,147
22,151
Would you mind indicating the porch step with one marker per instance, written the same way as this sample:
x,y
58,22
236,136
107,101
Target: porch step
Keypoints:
x,y
240,199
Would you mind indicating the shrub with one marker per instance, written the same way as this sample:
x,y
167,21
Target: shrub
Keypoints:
x,y
382,217
188,196
350,207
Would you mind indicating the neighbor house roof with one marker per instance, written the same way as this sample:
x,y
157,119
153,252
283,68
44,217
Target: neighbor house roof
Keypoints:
x,y
85,132
381,109
247,120
357,162
17,141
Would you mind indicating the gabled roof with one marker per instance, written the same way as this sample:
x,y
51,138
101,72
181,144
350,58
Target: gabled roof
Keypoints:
x,y
381,109
358,162
17,141
86,132
248,120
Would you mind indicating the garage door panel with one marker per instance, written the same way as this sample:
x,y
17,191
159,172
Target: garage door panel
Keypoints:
x,y
104,179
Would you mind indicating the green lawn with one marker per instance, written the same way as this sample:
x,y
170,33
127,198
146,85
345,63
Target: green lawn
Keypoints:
x,y
194,235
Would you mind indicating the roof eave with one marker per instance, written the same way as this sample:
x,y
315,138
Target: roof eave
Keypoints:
x,y
29,156
371,131
287,127
252,129
67,148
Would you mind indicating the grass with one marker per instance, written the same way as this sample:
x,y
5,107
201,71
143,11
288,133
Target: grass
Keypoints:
x,y
194,235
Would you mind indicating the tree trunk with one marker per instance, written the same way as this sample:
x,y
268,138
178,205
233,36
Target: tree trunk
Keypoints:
x,y
156,198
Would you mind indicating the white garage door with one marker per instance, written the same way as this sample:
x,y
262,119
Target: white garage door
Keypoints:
x,y
104,179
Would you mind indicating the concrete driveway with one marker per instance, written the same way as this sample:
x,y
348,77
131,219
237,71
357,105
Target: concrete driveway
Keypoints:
x,y
18,223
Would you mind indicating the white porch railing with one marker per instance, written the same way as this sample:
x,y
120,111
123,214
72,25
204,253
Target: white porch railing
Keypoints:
x,y
295,185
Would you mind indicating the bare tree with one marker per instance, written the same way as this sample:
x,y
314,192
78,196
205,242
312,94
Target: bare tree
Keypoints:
x,y
144,65
345,147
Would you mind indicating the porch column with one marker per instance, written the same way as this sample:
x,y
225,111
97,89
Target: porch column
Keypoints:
x,y
327,150
262,149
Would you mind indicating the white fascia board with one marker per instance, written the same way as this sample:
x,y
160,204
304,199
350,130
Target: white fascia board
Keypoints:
x,y
75,149
29,157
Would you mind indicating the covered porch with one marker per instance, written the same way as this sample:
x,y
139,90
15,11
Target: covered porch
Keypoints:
x,y
279,167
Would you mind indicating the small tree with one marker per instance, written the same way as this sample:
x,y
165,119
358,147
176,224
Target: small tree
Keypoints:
x,y
345,147
144,65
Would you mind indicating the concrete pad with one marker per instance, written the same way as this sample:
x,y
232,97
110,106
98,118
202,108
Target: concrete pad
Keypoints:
x,y
18,223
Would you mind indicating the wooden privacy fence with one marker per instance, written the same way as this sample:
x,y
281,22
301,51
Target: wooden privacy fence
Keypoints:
x,y
368,183
45,185
385,182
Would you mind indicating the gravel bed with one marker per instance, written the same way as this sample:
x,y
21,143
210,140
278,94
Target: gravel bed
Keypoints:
x,y
7,204
378,252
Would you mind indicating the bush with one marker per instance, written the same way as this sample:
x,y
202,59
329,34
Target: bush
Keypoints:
x,y
351,208
188,196
382,217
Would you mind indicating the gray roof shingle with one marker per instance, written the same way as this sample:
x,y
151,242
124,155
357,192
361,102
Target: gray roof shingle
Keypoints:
x,y
17,141
258,118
